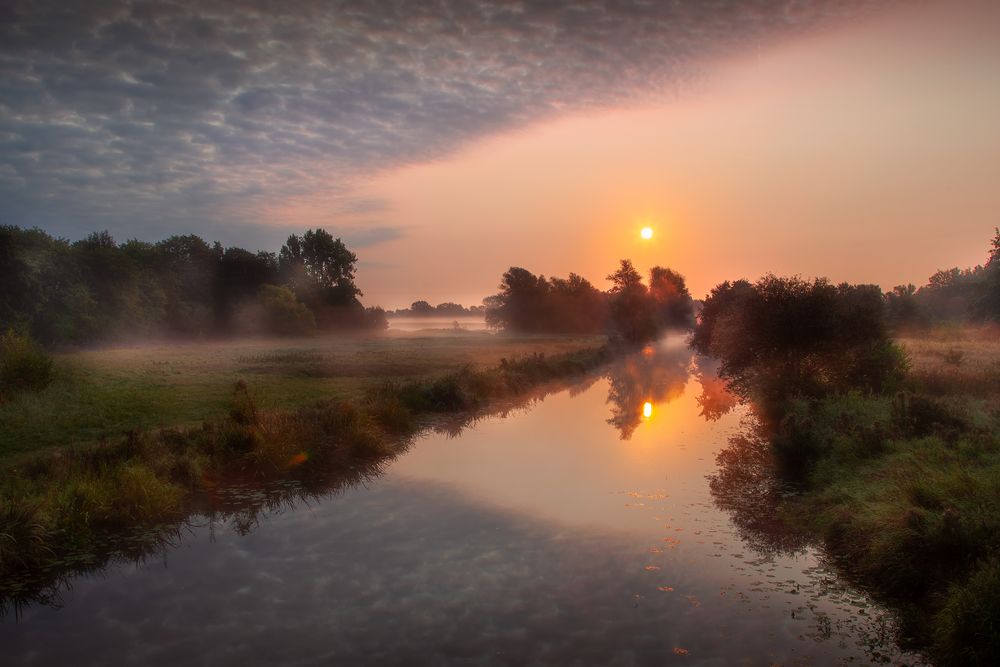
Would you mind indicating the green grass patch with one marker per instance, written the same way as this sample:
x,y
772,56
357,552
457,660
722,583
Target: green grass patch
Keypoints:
x,y
905,491
100,394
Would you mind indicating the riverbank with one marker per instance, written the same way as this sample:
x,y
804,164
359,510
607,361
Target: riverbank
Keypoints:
x,y
60,508
904,491
100,394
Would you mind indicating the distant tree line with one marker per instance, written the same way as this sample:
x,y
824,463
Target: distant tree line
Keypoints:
x,y
956,295
447,309
99,290
630,309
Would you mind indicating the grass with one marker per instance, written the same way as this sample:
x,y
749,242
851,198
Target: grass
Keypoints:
x,y
905,491
100,394
62,508
950,361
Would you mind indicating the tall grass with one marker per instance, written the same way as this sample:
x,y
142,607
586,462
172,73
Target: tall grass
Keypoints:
x,y
905,492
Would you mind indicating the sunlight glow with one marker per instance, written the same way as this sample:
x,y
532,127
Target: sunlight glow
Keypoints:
x,y
647,410
646,233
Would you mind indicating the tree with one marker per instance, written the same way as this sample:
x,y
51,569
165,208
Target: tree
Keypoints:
x,y
633,312
238,280
987,304
320,270
281,314
674,305
902,308
576,306
782,337
421,308
187,267
521,303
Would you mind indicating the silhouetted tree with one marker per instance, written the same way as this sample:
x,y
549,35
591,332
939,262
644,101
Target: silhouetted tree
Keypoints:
x,y
576,306
783,337
96,289
421,308
633,311
320,270
902,309
238,281
521,303
674,305
987,304
187,266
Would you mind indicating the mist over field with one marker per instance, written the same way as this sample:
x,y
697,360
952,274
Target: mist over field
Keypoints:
x,y
446,332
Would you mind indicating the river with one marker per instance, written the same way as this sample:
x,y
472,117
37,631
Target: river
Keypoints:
x,y
581,528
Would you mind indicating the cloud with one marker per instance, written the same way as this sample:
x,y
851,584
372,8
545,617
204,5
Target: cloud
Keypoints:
x,y
159,116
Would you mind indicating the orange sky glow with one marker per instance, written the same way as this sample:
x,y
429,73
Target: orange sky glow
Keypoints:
x,y
867,154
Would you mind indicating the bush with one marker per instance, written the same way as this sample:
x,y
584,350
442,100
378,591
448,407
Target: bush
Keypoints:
x,y
966,630
284,315
24,365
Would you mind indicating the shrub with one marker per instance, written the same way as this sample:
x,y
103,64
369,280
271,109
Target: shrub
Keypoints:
x,y
966,629
24,365
284,315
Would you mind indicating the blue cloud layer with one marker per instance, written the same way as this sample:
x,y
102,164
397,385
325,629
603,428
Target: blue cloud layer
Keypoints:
x,y
150,117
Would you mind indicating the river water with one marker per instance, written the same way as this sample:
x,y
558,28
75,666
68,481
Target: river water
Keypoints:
x,y
583,528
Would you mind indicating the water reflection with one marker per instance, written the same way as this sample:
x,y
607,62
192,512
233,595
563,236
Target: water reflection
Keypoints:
x,y
715,399
747,487
558,534
657,375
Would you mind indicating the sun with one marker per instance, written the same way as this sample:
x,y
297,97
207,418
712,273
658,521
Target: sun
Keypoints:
x,y
646,233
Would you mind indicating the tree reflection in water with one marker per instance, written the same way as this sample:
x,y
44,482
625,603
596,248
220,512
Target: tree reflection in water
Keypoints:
x,y
746,485
657,375
750,489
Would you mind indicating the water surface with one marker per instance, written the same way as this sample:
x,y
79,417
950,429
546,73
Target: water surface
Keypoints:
x,y
580,530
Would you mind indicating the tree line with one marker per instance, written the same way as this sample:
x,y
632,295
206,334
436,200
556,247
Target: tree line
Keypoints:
x,y
97,289
446,309
632,310
957,295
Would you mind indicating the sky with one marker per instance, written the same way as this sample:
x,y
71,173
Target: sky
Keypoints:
x,y
445,141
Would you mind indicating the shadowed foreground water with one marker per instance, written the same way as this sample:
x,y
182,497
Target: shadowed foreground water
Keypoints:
x,y
575,532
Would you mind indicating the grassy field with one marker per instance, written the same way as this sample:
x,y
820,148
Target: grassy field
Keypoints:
x,y
102,393
905,490
955,361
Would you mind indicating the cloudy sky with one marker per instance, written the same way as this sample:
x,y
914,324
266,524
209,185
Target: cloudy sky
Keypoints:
x,y
446,140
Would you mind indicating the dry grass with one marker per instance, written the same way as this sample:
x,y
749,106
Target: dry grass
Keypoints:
x,y
963,361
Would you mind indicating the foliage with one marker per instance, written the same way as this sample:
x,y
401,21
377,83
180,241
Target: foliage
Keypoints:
x,y
783,337
320,271
284,315
903,489
633,311
24,365
959,295
673,300
97,290
529,303
965,630
446,309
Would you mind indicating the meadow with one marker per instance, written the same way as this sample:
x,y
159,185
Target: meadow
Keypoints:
x,y
102,393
